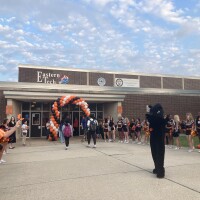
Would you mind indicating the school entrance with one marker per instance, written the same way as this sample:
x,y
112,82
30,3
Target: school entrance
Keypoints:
x,y
38,113
75,114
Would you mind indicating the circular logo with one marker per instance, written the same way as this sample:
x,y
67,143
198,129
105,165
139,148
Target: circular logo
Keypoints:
x,y
101,81
119,82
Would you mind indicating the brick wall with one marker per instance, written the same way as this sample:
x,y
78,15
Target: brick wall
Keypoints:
x,y
126,76
192,84
150,82
172,83
2,107
135,105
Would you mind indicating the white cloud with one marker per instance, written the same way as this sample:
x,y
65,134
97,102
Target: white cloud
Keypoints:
x,y
24,43
11,19
164,9
5,28
28,55
99,2
105,34
2,68
7,45
46,27
20,32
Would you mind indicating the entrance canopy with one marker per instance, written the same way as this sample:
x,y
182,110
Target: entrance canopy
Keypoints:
x,y
45,96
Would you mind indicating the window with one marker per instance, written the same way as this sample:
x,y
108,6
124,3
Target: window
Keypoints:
x,y
46,106
36,106
92,106
36,119
25,105
99,107
100,116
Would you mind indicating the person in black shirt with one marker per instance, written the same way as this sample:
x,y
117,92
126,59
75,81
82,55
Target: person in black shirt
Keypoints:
x,y
132,130
176,131
138,130
119,129
105,129
168,128
198,126
12,138
189,127
157,122
112,128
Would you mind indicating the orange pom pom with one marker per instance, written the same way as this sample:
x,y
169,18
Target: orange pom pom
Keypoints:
x,y
19,117
194,133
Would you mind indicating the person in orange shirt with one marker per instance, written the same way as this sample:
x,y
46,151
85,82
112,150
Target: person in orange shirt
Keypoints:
x,y
5,128
75,126
4,136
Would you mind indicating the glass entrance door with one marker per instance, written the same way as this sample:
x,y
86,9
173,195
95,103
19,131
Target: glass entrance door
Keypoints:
x,y
45,119
67,116
76,123
74,114
36,124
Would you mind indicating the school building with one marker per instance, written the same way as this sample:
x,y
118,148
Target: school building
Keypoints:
x,y
107,93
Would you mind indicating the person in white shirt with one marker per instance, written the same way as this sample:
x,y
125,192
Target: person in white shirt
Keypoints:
x,y
48,128
92,126
24,132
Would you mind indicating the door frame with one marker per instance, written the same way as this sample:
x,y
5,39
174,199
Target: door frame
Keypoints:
x,y
40,123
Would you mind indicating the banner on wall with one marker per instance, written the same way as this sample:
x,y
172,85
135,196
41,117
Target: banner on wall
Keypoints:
x,y
127,82
52,78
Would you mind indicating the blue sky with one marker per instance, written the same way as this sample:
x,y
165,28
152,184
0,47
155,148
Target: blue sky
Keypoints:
x,y
146,36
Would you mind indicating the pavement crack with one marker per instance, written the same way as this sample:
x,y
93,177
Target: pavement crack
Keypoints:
x,y
143,169
66,179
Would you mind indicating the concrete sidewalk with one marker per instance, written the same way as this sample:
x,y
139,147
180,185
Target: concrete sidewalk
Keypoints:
x,y
44,170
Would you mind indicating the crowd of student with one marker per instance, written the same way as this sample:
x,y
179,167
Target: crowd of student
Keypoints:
x,y
138,131
107,130
126,130
190,127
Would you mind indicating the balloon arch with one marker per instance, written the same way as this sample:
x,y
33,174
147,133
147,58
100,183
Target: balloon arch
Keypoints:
x,y
55,117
